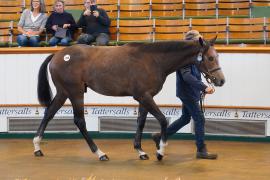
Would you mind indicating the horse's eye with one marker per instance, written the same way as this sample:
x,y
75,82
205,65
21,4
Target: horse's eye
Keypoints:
x,y
211,58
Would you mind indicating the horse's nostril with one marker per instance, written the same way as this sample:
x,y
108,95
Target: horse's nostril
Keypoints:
x,y
222,81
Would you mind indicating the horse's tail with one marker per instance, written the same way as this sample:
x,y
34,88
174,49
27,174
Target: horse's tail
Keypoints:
x,y
43,88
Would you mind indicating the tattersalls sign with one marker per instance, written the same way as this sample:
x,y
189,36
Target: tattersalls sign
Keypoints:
x,y
133,111
103,111
255,115
15,111
220,113
92,113
127,111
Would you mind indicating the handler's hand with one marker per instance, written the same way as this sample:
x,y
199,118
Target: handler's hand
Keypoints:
x,y
209,90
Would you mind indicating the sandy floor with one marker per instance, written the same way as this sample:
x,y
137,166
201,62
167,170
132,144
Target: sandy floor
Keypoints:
x,y
72,160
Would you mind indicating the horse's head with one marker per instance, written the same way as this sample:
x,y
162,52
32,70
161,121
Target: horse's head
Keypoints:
x,y
209,63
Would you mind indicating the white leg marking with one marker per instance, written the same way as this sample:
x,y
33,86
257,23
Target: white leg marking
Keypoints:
x,y
162,147
99,153
36,142
141,153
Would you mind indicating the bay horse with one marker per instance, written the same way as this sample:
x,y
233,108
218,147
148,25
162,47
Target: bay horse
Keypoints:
x,y
136,69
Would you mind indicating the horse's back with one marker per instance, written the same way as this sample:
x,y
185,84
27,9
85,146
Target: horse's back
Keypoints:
x,y
77,57
113,71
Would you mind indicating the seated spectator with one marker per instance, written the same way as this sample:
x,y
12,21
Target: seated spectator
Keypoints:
x,y
31,24
95,23
61,25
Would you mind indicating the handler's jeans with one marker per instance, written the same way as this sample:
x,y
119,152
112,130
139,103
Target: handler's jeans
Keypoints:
x,y
190,109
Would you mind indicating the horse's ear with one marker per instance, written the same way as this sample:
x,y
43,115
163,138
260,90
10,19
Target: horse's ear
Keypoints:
x,y
202,43
212,41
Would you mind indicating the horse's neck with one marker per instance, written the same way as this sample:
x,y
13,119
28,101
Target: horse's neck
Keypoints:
x,y
172,61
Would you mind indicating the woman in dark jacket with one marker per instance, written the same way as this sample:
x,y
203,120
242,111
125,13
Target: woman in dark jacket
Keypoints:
x,y
61,25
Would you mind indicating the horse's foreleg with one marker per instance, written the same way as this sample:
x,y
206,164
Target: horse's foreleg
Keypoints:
x,y
79,120
149,104
50,111
140,125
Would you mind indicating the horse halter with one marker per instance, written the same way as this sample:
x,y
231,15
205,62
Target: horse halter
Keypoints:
x,y
207,73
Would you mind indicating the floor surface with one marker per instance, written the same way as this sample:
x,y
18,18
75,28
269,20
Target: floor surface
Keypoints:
x,y
72,160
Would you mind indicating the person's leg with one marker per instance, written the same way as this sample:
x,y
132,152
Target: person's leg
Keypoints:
x,y
198,117
54,41
65,41
175,126
85,39
199,122
22,40
34,41
179,123
102,39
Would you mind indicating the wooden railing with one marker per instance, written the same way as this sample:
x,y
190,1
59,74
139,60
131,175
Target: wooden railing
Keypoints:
x,y
220,48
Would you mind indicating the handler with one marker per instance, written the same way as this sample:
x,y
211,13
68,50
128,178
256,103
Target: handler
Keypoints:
x,y
189,87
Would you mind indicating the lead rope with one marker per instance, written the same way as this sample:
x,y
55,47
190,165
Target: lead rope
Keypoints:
x,y
202,96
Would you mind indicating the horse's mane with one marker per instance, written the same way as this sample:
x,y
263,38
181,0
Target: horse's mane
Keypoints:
x,y
164,46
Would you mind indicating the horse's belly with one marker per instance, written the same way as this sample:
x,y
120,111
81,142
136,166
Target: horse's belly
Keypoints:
x,y
110,89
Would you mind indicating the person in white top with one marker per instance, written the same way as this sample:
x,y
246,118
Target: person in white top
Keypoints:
x,y
31,24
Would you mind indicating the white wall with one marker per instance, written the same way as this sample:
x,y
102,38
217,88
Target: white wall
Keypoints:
x,y
247,82
18,77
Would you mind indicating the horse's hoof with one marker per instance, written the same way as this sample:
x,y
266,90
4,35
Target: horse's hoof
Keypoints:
x,y
38,153
104,158
159,156
144,157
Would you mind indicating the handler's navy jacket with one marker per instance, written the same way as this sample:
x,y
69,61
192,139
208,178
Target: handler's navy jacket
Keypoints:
x,y
189,83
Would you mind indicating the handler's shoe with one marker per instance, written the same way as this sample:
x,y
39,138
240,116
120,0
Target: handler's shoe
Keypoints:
x,y
156,138
203,154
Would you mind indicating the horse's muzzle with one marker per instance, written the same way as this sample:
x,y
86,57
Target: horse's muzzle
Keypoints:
x,y
218,82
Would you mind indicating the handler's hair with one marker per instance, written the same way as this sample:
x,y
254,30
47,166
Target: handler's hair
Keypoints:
x,y
193,35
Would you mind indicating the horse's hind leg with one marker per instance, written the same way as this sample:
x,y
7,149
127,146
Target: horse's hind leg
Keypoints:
x,y
50,111
140,125
149,104
78,108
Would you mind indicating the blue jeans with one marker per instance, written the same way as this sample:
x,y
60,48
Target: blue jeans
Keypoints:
x,y
190,109
63,41
101,39
32,41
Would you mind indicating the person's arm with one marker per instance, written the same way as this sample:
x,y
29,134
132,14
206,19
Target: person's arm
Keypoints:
x,y
103,18
43,24
71,24
81,21
190,79
21,22
49,25
20,29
